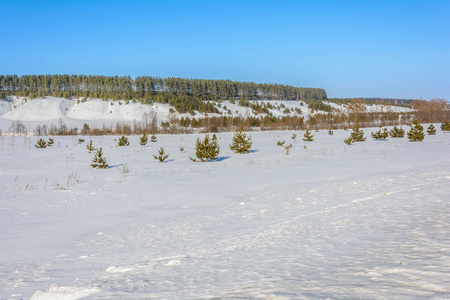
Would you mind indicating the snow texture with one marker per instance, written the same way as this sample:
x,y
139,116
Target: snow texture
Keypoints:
x,y
366,221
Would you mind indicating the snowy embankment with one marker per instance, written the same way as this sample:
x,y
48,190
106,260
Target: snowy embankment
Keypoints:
x,y
368,221
97,113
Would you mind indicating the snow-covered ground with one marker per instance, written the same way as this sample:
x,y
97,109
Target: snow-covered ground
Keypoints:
x,y
366,221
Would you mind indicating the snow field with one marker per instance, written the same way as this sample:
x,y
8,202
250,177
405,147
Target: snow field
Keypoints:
x,y
368,220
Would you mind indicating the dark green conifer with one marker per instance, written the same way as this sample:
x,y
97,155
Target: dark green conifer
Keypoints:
x,y
90,147
162,156
241,143
143,140
153,138
99,162
431,130
50,142
416,134
445,126
41,143
206,149
123,141
397,132
381,134
308,136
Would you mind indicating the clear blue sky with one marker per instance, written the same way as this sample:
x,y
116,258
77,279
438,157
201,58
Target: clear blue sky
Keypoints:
x,y
398,49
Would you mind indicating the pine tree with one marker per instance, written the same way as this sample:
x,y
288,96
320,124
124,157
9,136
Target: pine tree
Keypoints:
x,y
357,134
143,140
397,132
123,141
431,130
99,162
206,150
445,126
241,143
41,143
381,134
50,142
162,156
90,147
308,136
80,141
330,132
416,134
153,138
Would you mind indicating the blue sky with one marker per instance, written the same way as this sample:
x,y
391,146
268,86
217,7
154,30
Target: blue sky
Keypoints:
x,y
398,49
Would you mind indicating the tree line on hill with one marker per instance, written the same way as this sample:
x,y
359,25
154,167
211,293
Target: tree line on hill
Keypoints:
x,y
145,88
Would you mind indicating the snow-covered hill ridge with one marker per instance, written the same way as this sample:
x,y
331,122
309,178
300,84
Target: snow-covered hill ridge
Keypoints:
x,y
98,112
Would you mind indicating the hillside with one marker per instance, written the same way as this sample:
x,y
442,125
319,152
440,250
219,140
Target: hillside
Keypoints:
x,y
97,112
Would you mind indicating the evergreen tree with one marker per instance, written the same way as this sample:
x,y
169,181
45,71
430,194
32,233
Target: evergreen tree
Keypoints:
x,y
397,132
99,162
381,134
445,126
123,141
50,142
241,143
308,136
416,134
162,156
143,140
206,150
153,138
431,130
357,134
41,143
90,147
80,141
330,131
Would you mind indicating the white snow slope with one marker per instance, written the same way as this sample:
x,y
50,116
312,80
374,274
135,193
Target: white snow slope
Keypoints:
x,y
367,221
97,113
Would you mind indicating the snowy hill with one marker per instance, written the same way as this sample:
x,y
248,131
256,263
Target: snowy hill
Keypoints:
x,y
97,112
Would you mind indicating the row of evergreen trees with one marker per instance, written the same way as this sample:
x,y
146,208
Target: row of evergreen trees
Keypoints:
x,y
126,87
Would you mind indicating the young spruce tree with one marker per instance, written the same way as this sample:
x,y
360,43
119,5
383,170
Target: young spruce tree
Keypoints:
x,y
416,134
206,150
143,140
308,136
431,130
445,126
380,135
397,132
162,156
41,144
123,141
241,143
99,162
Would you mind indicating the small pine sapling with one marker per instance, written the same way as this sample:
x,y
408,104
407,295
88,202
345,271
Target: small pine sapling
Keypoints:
x,y
162,156
41,144
143,139
431,130
123,141
294,136
380,135
206,150
416,134
181,149
308,136
153,139
90,147
99,162
241,143
397,132
357,135
80,141
280,143
348,140
445,126
50,142
330,131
